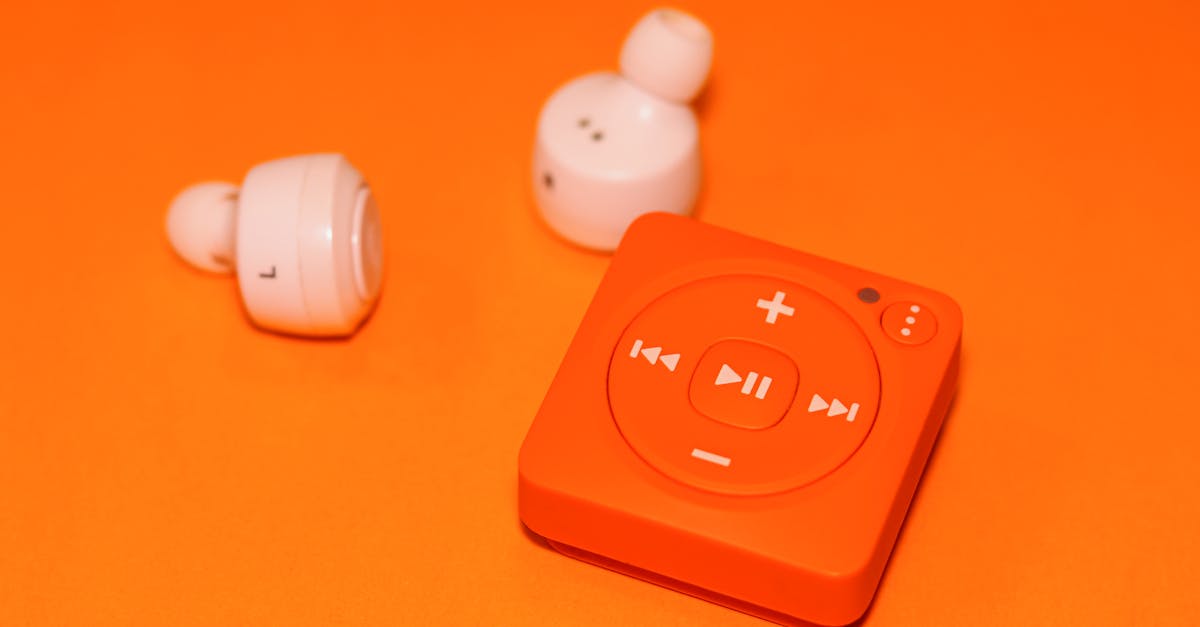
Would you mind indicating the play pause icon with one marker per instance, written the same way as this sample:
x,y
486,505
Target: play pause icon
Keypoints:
x,y
728,375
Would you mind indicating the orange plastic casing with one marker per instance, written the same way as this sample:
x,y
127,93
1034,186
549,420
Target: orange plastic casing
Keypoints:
x,y
657,454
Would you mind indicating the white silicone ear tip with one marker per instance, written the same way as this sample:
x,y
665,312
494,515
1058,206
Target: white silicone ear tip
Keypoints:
x,y
201,225
668,53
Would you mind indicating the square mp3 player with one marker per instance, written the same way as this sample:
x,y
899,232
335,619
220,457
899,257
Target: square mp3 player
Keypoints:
x,y
741,422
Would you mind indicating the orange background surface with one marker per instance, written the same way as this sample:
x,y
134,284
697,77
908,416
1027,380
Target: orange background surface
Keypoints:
x,y
162,462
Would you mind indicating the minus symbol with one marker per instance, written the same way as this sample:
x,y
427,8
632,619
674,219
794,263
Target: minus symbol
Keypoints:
x,y
711,457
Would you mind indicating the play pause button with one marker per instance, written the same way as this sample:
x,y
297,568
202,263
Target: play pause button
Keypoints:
x,y
744,384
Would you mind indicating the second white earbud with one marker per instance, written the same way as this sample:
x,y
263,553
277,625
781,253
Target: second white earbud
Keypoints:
x,y
611,147
301,233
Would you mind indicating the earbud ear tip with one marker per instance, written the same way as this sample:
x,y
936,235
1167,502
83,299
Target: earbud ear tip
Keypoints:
x,y
201,223
668,53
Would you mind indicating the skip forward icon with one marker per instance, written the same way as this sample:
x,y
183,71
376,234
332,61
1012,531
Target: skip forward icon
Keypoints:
x,y
835,407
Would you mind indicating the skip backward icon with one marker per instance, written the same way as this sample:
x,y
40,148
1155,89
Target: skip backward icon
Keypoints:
x,y
836,408
654,355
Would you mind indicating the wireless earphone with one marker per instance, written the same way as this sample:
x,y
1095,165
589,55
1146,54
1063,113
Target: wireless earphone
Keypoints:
x,y
302,234
611,147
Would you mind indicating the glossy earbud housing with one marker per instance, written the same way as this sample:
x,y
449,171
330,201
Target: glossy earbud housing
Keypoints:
x,y
303,236
611,147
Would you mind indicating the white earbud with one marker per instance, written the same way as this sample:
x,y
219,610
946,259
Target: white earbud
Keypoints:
x,y
611,147
302,235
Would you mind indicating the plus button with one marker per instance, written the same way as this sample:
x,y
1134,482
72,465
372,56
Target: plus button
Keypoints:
x,y
775,307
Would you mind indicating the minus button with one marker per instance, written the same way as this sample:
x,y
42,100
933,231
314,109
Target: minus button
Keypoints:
x,y
711,457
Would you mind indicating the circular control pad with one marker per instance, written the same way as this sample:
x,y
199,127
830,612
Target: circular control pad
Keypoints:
x,y
744,348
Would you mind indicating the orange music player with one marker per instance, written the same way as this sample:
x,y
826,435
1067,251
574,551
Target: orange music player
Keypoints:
x,y
741,422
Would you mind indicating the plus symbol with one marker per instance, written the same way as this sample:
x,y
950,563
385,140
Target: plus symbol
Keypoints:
x,y
775,307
